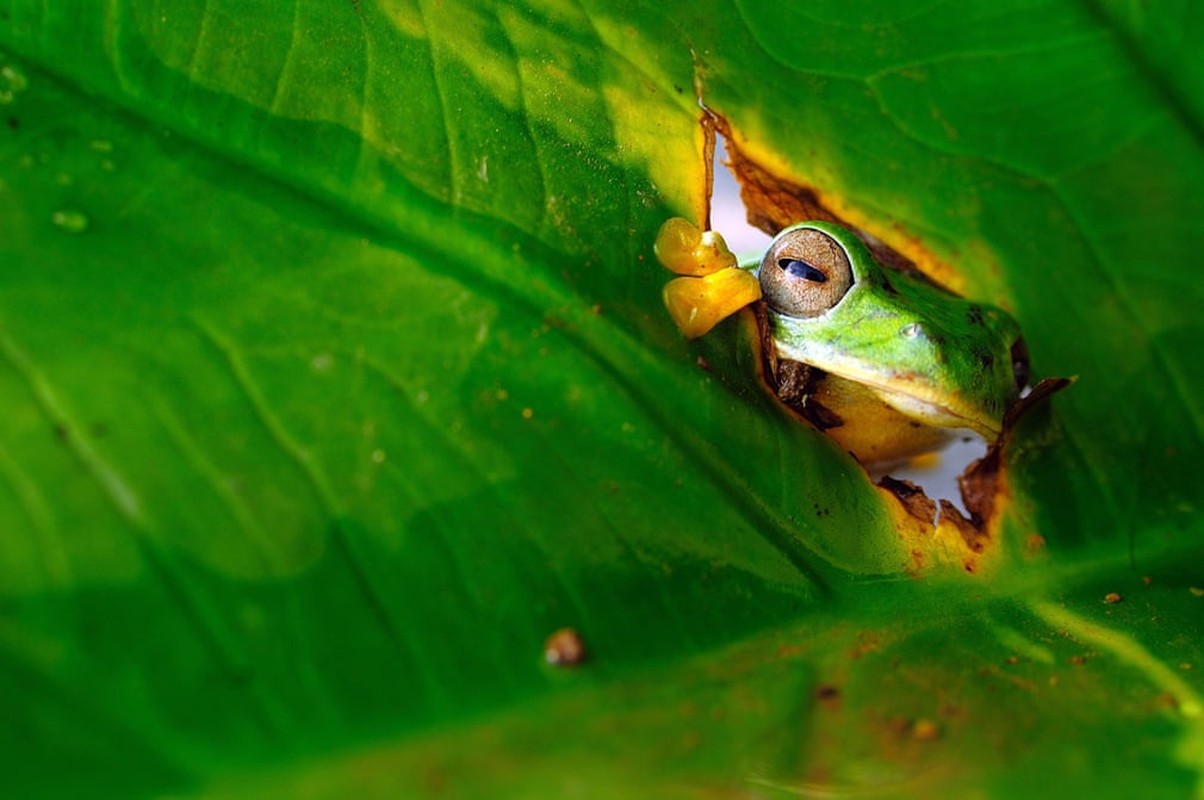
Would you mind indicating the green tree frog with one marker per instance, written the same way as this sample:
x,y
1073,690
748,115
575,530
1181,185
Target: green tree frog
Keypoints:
x,y
887,363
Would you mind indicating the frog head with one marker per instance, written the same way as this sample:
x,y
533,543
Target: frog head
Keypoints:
x,y
939,359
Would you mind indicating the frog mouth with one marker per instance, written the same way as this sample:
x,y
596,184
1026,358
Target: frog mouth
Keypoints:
x,y
921,403
918,401
939,415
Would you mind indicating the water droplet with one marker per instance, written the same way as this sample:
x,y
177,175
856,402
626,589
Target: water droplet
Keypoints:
x,y
911,331
71,221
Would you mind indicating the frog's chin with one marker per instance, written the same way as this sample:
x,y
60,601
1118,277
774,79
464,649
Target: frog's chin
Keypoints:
x,y
935,414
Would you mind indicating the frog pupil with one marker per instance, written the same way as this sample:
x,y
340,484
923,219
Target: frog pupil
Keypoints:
x,y
801,269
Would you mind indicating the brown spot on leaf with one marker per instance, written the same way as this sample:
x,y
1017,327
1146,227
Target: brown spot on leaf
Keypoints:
x,y
1167,700
827,692
565,648
925,730
1112,598
828,696
867,642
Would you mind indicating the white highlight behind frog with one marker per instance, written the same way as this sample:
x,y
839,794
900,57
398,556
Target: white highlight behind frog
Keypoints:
x,y
938,480
727,213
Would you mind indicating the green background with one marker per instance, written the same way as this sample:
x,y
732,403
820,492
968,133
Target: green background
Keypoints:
x,y
334,378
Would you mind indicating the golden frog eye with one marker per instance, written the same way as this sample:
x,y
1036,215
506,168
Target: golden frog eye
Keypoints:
x,y
805,273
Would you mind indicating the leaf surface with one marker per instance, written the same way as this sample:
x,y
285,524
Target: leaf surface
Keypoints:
x,y
335,378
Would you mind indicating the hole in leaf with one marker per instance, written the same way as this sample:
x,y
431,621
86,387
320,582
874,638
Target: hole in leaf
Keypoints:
x,y
938,475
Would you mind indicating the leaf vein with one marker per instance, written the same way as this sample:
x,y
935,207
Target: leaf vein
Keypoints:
x,y
1165,361
468,466
286,68
112,483
1171,96
453,178
192,453
280,435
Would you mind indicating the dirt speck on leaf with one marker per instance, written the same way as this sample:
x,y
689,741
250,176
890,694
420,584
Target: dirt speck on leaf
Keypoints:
x,y
565,648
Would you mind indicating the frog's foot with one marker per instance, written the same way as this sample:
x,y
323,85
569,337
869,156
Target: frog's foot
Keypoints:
x,y
713,288
682,247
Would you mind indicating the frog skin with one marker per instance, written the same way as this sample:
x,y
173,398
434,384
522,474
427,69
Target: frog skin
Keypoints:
x,y
889,364
906,361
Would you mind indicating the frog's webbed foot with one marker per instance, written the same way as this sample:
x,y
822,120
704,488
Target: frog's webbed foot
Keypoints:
x,y
712,288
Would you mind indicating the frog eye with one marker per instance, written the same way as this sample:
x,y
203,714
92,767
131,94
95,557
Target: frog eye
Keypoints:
x,y
805,273
1020,363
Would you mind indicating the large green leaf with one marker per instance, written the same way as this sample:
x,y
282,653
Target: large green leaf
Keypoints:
x,y
335,379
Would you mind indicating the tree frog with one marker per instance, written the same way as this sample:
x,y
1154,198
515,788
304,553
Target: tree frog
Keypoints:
x,y
886,362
